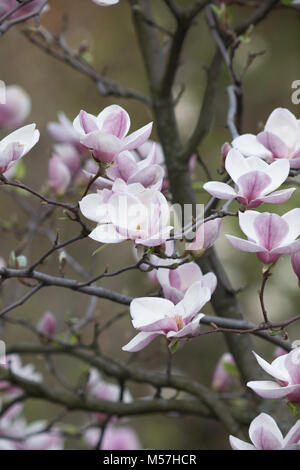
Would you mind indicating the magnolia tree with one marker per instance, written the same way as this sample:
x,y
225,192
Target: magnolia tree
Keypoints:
x,y
111,182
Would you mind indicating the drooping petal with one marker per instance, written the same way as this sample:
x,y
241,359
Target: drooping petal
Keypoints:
x,y
146,311
238,444
141,340
269,389
278,197
220,190
106,233
244,245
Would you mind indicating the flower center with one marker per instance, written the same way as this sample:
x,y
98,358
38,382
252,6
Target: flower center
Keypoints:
x,y
179,322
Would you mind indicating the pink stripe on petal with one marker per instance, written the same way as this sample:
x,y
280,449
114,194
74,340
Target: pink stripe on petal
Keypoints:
x,y
274,144
251,185
271,230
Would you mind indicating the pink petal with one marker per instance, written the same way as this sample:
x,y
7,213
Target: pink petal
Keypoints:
x,y
269,389
271,230
283,124
278,197
265,434
252,184
114,120
293,436
273,143
249,146
244,245
137,138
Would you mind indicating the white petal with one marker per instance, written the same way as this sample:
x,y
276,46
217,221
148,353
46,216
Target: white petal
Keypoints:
x,y
249,146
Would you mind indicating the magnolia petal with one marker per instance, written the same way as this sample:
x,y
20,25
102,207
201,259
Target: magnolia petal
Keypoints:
x,y
140,341
249,146
265,434
238,444
220,190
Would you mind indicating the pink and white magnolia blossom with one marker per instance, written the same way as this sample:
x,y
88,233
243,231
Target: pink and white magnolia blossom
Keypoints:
x,y
254,181
16,108
269,235
206,235
59,174
286,370
47,324
296,264
128,212
127,168
279,140
115,438
266,435
17,434
106,134
106,3
175,282
64,132
105,391
155,317
14,146
222,379
13,362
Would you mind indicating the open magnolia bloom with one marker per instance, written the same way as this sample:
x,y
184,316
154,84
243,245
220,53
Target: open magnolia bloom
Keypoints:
x,y
286,370
127,168
175,282
266,435
106,134
160,317
280,139
128,212
14,146
269,235
254,179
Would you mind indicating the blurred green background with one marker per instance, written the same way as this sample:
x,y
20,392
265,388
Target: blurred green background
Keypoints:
x,y
54,87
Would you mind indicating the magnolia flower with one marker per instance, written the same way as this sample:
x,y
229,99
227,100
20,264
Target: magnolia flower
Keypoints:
x,y
206,235
296,264
13,362
47,324
266,435
64,132
26,436
175,282
16,108
105,391
106,3
59,174
121,438
280,139
269,235
286,370
222,379
145,172
106,134
160,317
254,180
16,145
128,212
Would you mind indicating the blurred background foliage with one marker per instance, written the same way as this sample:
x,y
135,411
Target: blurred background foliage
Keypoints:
x,y
54,87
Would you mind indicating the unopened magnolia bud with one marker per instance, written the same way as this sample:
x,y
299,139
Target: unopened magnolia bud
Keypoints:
x,y
47,324
222,378
224,152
